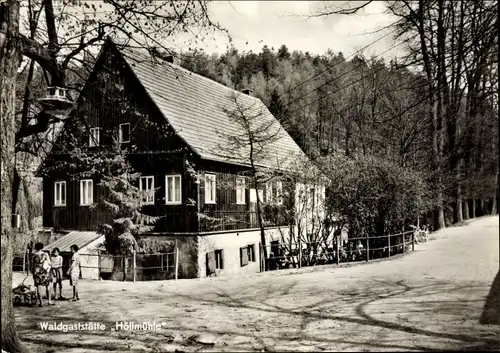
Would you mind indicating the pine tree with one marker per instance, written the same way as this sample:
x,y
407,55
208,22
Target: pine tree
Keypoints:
x,y
123,199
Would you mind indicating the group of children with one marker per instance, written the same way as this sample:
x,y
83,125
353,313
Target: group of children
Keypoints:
x,y
48,272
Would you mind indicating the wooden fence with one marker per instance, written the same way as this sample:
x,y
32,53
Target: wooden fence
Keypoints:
x,y
336,251
157,266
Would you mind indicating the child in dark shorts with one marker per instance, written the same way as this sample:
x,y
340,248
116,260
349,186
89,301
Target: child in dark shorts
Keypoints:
x,y
57,272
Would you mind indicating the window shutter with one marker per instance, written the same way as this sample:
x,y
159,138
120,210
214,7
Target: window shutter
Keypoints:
x,y
177,197
244,256
269,192
170,189
210,263
57,193
91,191
251,253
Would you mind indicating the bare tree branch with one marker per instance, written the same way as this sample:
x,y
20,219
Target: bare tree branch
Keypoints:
x,y
331,9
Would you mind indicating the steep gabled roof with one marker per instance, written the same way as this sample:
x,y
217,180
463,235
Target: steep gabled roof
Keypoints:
x,y
197,109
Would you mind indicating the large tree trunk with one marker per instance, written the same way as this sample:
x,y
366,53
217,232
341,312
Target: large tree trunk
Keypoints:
x,y
481,207
437,135
466,209
454,147
9,62
494,205
439,222
458,205
259,209
440,112
262,232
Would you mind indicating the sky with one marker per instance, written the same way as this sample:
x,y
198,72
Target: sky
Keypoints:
x,y
273,23
253,24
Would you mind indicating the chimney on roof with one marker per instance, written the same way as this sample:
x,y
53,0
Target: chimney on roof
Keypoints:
x,y
248,91
173,59
166,56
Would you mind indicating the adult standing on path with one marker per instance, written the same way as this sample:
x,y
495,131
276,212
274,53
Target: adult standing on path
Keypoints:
x,y
41,273
74,271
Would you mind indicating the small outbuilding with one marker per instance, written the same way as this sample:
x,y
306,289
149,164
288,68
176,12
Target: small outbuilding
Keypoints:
x,y
88,244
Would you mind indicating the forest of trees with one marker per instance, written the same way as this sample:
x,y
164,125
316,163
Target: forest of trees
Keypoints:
x,y
367,106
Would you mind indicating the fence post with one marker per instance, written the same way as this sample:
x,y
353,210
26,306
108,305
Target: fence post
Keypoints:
x,y
338,249
133,264
176,260
99,265
124,264
413,241
24,261
300,253
367,248
389,241
404,243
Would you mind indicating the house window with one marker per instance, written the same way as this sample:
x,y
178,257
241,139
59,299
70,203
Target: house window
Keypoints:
x,y
219,259
240,191
274,190
261,195
124,133
210,188
243,256
275,248
173,190
60,193
147,184
86,192
167,262
269,192
94,137
251,253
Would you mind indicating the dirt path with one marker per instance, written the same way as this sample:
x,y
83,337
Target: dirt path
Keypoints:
x,y
428,300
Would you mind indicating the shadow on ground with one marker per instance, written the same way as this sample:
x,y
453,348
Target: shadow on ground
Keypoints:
x,y
491,311
376,316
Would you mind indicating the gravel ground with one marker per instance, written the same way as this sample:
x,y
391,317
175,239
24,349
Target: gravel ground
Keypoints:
x,y
430,299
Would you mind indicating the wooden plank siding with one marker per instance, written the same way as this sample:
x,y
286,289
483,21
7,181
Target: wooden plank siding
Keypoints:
x,y
180,218
73,216
226,214
175,218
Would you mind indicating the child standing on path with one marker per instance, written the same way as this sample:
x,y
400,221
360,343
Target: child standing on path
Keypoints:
x,y
57,272
74,271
